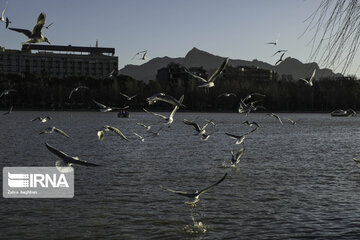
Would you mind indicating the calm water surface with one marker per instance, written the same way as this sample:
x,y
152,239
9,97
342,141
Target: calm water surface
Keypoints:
x,y
293,181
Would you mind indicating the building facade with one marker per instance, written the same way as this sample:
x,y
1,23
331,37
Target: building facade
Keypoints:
x,y
59,61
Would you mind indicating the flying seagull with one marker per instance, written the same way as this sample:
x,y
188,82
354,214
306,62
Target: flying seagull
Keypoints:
x,y
77,89
310,81
41,119
198,129
47,27
7,22
103,108
280,60
251,95
194,197
275,42
143,56
127,97
291,121
251,123
235,159
169,120
275,116
8,112
356,160
239,139
227,95
208,83
279,51
147,127
141,138
107,128
54,129
35,35
164,98
7,91
66,159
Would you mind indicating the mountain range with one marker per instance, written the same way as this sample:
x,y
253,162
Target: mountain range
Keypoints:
x,y
210,62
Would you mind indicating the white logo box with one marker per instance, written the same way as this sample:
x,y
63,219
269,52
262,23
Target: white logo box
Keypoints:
x,y
38,182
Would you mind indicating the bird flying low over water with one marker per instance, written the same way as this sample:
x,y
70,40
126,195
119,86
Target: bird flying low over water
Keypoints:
x,y
291,121
164,98
35,35
169,120
127,97
54,129
41,119
251,123
77,89
239,139
310,81
208,83
66,159
275,116
147,127
198,129
7,91
107,128
103,108
140,137
194,197
235,159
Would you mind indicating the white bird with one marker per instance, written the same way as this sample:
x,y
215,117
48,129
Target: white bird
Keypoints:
x,y
41,119
198,129
208,83
275,42
276,116
310,81
7,91
227,95
251,95
8,112
291,121
235,159
127,97
280,60
35,35
66,159
164,98
54,129
107,128
2,18
77,89
141,138
103,108
356,160
251,123
194,197
147,127
239,139
169,120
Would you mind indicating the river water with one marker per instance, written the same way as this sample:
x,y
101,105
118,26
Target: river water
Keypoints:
x,y
293,181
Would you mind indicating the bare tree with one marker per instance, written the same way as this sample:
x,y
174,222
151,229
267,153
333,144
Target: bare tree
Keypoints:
x,y
336,33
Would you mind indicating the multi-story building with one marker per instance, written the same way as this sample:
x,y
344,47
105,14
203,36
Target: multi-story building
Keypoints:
x,y
59,61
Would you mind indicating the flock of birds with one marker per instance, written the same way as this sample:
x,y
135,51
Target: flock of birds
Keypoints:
x,y
246,106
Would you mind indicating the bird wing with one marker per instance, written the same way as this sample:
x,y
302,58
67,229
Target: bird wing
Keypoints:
x,y
39,24
137,135
177,192
117,131
239,154
208,188
61,132
155,114
356,160
233,136
312,75
124,95
68,159
195,76
2,13
194,124
276,116
99,104
176,107
37,118
49,25
24,31
219,70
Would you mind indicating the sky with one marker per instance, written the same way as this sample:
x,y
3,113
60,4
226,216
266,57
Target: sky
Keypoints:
x,y
238,29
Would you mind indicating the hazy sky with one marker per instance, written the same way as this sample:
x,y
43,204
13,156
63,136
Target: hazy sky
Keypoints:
x,y
237,29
